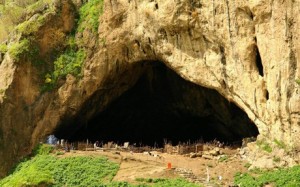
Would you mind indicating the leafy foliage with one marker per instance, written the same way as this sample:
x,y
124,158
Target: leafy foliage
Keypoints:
x,y
17,49
31,26
3,48
89,15
43,149
281,177
69,62
14,12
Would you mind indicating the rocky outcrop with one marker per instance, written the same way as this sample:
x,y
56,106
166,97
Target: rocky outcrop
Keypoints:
x,y
248,51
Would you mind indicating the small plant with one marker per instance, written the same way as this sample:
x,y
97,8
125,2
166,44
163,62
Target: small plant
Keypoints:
x,y
18,49
264,146
223,158
3,48
298,81
280,144
89,15
31,26
276,159
247,165
59,153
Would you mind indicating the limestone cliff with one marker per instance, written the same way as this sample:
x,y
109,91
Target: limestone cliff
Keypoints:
x,y
247,51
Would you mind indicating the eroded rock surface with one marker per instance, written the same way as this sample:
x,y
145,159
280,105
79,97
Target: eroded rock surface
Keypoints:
x,y
248,51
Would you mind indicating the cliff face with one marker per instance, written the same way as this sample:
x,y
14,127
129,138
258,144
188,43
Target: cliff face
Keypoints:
x,y
247,51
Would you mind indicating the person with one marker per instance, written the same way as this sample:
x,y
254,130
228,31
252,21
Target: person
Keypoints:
x,y
96,145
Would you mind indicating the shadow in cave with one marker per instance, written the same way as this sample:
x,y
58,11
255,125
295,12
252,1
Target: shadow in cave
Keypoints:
x,y
163,106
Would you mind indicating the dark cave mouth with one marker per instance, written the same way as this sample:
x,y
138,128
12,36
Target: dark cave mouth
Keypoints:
x,y
163,107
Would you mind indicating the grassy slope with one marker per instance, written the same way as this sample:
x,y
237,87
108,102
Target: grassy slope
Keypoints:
x,y
48,169
289,177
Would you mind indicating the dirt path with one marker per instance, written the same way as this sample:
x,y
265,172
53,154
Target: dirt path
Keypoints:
x,y
139,165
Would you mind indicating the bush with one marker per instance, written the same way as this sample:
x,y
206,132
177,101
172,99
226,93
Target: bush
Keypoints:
x,y
43,149
3,48
18,49
69,62
298,81
31,26
89,15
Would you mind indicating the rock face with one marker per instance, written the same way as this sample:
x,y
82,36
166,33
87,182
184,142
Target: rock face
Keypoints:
x,y
248,51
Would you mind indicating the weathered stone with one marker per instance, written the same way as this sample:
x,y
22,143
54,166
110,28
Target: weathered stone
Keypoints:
x,y
208,157
193,155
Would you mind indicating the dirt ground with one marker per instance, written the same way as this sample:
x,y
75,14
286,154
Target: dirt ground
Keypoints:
x,y
211,172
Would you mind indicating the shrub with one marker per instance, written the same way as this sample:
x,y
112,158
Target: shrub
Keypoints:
x,y
31,26
3,48
18,49
43,149
298,81
89,15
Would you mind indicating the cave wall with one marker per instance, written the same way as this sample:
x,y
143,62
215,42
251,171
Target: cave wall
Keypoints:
x,y
247,51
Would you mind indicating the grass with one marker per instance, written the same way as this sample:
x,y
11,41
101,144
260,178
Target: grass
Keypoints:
x,y
283,177
223,158
49,170
45,168
264,146
280,144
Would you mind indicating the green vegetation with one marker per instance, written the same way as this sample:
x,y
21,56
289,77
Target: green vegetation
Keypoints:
x,y
247,165
276,159
14,12
281,178
89,15
3,48
165,182
48,169
223,158
264,145
31,26
70,62
18,49
298,81
280,144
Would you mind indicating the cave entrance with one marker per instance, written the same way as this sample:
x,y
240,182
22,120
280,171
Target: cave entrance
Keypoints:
x,y
162,106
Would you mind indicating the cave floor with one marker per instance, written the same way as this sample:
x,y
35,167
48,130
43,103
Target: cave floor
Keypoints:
x,y
141,165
